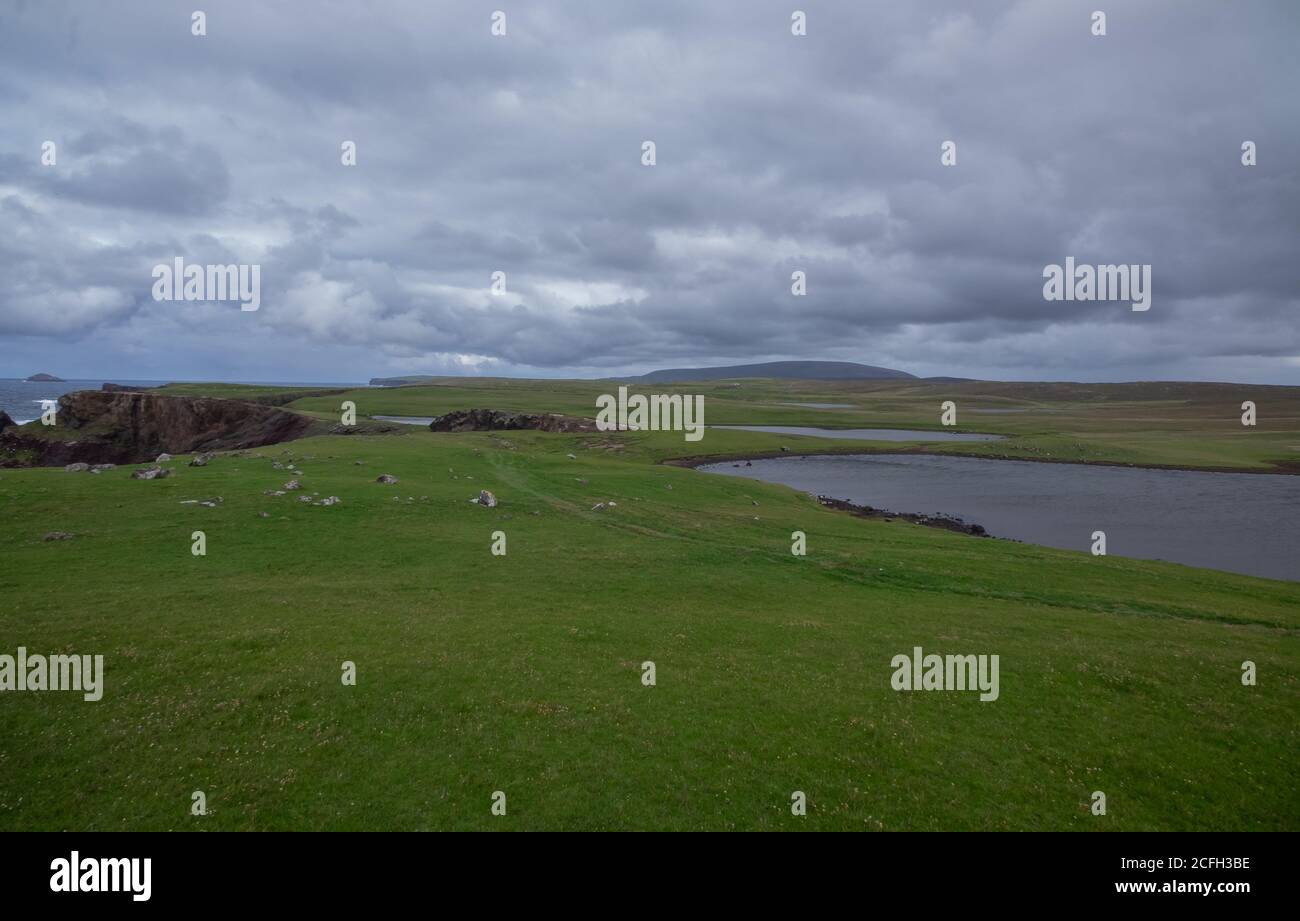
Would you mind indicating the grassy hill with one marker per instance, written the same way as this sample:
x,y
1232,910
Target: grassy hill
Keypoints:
x,y
522,673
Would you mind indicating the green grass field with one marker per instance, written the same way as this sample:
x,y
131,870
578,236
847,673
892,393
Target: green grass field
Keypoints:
x,y
522,673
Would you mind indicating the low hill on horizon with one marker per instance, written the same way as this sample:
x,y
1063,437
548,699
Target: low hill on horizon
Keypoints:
x,y
789,370
780,370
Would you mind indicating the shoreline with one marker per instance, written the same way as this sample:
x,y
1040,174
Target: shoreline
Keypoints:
x,y
699,460
942,522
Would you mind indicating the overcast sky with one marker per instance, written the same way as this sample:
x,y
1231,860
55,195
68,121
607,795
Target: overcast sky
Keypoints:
x,y
523,154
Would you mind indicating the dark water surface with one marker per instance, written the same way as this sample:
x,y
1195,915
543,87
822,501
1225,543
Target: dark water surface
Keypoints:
x,y
1239,522
405,420
866,434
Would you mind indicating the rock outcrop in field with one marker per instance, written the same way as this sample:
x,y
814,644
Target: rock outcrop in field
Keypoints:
x,y
493,420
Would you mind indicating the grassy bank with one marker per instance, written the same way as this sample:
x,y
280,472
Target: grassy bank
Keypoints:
x,y
522,673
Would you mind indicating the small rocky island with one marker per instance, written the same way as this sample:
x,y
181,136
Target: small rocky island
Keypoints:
x,y
43,377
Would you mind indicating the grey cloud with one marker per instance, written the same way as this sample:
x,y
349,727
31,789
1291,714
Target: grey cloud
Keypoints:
x,y
776,153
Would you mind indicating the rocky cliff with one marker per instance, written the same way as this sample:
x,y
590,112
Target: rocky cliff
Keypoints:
x,y
123,427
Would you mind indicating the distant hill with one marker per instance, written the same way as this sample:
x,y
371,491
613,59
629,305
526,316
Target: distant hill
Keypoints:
x,y
399,381
793,370
44,377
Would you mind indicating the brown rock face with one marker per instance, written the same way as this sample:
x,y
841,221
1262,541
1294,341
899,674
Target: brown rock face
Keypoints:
x,y
6,420
123,427
492,420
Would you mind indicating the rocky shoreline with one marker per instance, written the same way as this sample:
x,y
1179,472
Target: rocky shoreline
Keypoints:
x,y
943,522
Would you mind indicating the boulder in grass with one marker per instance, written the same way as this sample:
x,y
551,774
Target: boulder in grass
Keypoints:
x,y
292,485
387,478
100,468
57,535
151,473
599,506
162,458
202,460
485,499
76,468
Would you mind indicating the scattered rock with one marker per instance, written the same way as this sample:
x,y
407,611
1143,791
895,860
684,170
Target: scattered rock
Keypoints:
x,y
151,473
332,500
292,485
201,460
598,506
385,478
571,456
263,515
486,499
100,468
58,535
162,458
76,468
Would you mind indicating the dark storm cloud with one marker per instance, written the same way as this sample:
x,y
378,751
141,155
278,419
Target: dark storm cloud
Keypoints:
x,y
776,153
